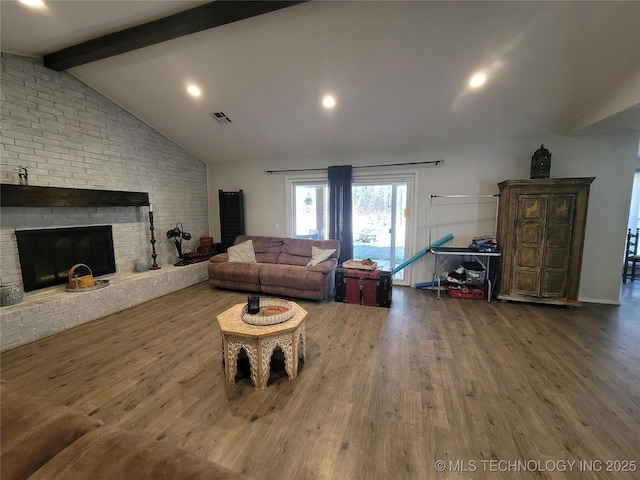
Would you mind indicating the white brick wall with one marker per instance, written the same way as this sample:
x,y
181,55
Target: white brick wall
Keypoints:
x,y
68,135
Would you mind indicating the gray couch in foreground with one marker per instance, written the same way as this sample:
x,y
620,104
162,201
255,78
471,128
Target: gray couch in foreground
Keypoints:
x,y
44,440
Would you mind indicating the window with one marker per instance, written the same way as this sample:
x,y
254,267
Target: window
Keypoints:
x,y
310,207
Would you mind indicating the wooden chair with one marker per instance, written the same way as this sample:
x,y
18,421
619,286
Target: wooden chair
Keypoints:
x,y
631,257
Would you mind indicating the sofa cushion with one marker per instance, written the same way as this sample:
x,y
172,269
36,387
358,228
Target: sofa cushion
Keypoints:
x,y
291,276
242,252
267,248
34,430
236,272
112,453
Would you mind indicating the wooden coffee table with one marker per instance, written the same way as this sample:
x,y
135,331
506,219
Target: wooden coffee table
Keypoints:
x,y
259,342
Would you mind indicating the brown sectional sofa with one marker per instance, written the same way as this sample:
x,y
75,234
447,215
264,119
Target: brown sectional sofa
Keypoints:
x,y
281,268
42,440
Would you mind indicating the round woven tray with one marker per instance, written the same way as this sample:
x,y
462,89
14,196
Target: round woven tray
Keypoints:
x,y
272,311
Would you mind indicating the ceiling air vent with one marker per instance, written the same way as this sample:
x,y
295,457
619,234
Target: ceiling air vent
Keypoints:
x,y
221,118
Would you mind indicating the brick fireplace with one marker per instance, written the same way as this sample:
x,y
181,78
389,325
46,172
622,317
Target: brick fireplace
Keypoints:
x,y
46,311
90,143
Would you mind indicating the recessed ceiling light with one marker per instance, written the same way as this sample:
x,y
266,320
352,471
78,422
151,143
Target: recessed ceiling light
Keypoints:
x,y
328,101
477,80
33,3
194,90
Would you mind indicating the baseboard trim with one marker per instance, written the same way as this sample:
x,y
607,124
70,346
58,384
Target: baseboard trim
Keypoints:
x,y
605,301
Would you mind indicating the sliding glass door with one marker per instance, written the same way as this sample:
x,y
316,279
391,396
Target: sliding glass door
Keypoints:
x,y
381,222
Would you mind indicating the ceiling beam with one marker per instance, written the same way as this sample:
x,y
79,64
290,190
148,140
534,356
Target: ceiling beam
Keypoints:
x,y
190,21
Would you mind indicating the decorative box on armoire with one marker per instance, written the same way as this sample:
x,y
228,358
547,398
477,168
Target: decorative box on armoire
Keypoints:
x,y
541,226
231,217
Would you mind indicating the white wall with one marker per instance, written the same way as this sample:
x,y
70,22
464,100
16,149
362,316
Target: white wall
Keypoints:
x,y
472,169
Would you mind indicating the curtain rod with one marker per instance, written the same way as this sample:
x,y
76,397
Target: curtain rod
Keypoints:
x,y
436,162
467,196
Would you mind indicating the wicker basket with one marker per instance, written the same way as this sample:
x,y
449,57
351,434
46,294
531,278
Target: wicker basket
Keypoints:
x,y
272,311
84,281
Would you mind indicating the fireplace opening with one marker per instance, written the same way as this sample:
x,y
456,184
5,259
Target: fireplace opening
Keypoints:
x,y
46,255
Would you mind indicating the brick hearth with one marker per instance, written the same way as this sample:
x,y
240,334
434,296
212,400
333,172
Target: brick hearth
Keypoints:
x,y
52,310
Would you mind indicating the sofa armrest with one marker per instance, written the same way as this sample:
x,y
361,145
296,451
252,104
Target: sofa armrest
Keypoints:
x,y
113,453
42,440
220,258
35,430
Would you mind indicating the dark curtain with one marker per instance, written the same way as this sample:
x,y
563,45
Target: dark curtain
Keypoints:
x,y
340,227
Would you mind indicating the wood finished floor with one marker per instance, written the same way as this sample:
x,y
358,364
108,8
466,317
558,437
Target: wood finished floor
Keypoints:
x,y
384,393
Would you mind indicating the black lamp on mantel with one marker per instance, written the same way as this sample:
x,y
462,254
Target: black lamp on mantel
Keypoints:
x,y
177,234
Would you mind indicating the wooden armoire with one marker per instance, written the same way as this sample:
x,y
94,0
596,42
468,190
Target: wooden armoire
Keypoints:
x,y
541,226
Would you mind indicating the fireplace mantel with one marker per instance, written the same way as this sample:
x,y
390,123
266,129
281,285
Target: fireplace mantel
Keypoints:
x,y
37,196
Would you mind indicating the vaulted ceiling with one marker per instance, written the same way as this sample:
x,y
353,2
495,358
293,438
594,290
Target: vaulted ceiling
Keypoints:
x,y
398,71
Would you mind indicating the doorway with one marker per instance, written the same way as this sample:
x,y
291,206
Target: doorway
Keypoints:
x,y
633,224
634,207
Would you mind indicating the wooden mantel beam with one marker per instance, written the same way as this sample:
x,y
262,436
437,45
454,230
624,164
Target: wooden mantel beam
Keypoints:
x,y
40,196
190,21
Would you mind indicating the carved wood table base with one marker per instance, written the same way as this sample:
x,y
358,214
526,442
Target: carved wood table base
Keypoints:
x,y
259,342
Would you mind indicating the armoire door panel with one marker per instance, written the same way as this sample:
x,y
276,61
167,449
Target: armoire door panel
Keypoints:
x,y
561,207
554,284
557,258
528,257
530,232
559,234
526,282
531,207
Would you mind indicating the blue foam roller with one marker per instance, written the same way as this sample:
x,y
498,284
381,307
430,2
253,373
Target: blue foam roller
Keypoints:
x,y
437,243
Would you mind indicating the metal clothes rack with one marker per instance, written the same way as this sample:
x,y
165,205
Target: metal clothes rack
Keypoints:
x,y
484,258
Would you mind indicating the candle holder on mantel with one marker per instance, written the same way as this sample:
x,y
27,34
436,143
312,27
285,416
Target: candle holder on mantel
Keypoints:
x,y
154,255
